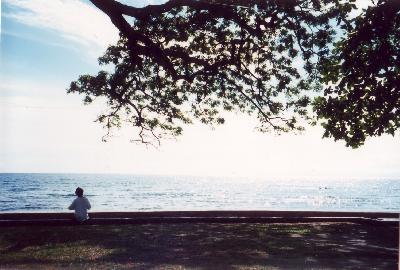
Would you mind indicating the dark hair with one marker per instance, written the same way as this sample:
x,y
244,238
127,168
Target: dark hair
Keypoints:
x,y
79,192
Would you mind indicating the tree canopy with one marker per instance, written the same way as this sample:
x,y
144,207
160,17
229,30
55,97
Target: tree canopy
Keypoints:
x,y
362,78
286,62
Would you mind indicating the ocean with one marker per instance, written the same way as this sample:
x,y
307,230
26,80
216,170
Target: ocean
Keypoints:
x,y
112,192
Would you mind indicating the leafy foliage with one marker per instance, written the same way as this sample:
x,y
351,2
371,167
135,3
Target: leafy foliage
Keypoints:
x,y
189,59
362,97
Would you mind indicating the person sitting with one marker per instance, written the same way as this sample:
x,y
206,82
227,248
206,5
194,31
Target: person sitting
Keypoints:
x,y
80,205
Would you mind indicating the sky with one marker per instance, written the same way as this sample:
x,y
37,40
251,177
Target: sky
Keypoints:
x,y
47,44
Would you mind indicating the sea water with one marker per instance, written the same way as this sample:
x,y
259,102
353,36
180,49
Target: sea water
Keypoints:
x,y
107,192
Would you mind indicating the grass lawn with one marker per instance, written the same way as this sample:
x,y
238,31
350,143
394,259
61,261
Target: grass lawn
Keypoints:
x,y
200,246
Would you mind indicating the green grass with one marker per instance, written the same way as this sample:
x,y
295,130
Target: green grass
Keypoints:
x,y
200,246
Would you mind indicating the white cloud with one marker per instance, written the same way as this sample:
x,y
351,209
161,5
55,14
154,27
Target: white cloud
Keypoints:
x,y
77,21
72,19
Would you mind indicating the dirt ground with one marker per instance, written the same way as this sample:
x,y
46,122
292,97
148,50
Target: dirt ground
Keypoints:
x,y
201,246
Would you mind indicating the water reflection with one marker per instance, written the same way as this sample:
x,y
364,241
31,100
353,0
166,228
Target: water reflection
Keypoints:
x,y
53,192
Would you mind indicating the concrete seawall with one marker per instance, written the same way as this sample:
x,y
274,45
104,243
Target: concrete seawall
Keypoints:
x,y
65,218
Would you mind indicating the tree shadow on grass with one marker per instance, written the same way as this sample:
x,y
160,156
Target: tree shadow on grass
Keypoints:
x,y
204,246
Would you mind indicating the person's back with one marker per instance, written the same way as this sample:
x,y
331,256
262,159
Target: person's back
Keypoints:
x,y
80,205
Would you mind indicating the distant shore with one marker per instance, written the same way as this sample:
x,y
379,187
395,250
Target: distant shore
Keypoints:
x,y
314,245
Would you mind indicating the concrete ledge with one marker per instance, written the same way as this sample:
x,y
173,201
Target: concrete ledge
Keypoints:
x,y
60,219
163,214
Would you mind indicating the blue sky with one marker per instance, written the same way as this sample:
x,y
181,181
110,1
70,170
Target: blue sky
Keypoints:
x,y
47,44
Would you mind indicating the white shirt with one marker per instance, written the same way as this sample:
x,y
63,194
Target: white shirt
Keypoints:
x,y
80,205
